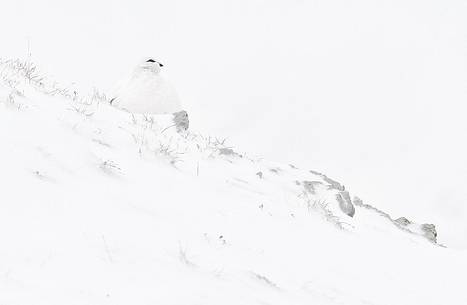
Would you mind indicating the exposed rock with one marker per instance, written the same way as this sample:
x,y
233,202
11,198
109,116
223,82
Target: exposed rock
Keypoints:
x,y
226,151
310,186
403,221
346,196
342,197
429,231
333,184
426,230
358,202
181,120
276,170
315,173
345,204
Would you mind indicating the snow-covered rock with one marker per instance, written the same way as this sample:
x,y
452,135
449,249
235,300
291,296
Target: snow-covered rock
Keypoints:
x,y
427,230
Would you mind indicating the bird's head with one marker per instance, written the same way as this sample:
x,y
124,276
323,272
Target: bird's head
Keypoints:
x,y
151,65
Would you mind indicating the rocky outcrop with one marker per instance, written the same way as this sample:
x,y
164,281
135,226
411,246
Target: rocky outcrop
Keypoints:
x,y
345,203
429,231
403,221
311,186
181,120
342,196
426,230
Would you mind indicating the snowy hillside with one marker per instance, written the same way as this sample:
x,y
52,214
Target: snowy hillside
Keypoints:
x,y
101,206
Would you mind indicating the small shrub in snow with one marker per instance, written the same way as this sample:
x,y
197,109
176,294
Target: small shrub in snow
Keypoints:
x,y
110,167
169,151
322,208
11,100
83,110
263,279
182,256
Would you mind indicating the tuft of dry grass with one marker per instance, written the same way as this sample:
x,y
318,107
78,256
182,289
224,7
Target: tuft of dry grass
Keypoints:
x,y
321,206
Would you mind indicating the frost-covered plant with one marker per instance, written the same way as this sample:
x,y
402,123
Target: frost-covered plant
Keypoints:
x,y
264,280
11,100
82,110
213,146
17,72
98,96
322,208
15,69
169,151
110,167
183,257
147,135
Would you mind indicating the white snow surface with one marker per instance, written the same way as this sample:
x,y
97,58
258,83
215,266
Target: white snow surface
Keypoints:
x,y
360,90
146,91
101,206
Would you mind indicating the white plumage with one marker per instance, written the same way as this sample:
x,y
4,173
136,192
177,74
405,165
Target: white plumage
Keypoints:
x,y
146,91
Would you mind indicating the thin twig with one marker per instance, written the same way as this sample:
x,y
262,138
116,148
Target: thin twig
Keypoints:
x,y
107,250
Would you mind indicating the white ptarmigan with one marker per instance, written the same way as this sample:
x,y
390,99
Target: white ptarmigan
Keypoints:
x,y
146,91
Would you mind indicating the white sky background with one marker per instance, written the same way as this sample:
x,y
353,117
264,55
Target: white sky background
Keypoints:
x,y
372,93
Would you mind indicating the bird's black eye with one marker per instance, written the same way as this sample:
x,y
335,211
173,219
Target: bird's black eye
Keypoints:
x,y
150,60
160,65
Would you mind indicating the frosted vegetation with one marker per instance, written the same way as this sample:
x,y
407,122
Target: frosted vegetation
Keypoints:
x,y
104,206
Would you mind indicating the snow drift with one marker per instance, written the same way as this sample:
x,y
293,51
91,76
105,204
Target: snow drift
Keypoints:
x,y
104,206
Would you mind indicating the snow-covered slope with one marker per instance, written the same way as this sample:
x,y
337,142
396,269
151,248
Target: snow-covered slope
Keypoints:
x,y
100,206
